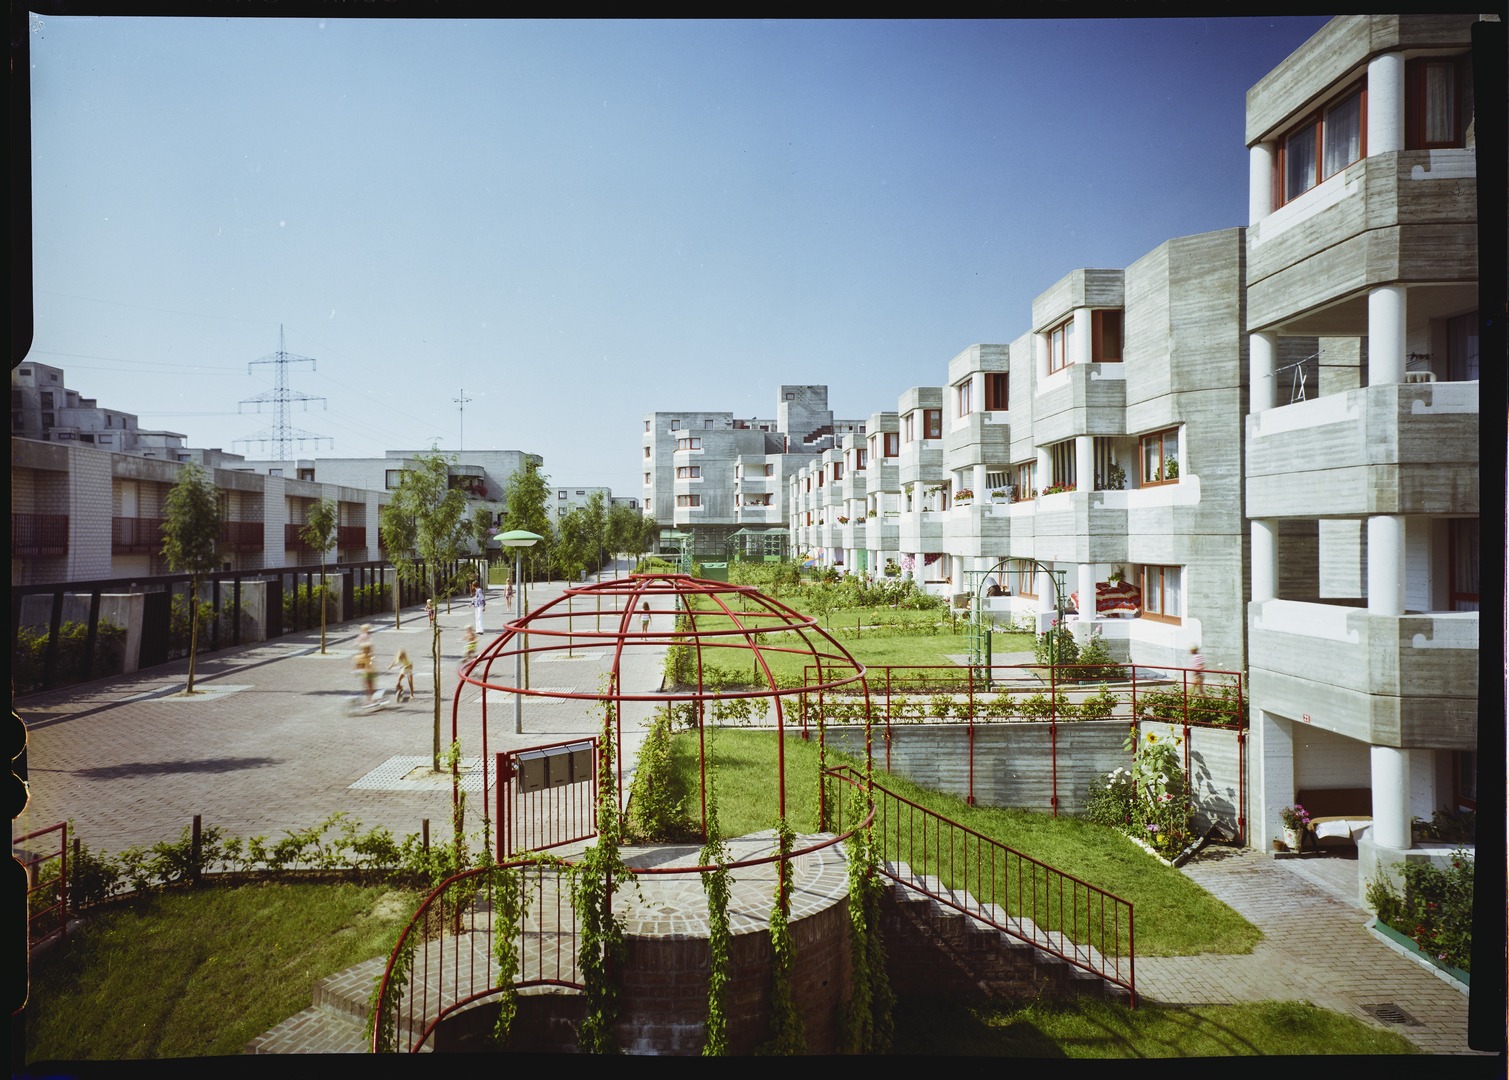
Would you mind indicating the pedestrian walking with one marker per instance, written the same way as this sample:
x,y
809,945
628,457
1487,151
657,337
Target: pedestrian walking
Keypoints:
x,y
366,672
1197,665
364,639
644,619
429,610
469,644
479,605
405,668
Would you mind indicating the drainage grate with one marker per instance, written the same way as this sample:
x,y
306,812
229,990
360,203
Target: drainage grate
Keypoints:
x,y
1390,1013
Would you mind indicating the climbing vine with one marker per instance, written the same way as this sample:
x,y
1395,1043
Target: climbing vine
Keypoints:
x,y
868,1023
508,905
786,1031
592,883
716,884
384,1021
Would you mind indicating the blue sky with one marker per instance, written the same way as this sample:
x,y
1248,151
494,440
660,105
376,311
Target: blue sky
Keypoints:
x,y
575,223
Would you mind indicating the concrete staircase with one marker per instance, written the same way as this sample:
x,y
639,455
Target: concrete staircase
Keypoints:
x,y
931,947
336,1022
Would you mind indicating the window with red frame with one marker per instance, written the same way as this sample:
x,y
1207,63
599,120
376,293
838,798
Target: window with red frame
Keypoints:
x,y
997,392
1061,346
1162,598
892,443
932,420
964,395
1158,449
688,500
1321,146
909,427
1438,102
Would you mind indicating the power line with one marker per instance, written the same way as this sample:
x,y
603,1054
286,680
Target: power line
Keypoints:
x,y
282,435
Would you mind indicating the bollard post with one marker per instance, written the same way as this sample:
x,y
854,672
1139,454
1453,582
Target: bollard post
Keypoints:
x,y
196,849
424,830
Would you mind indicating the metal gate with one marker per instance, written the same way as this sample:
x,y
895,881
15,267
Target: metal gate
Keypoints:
x,y
547,796
156,618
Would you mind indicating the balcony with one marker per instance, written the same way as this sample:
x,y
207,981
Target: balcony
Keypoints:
x,y
351,536
1407,448
1399,217
38,535
1405,681
136,535
242,536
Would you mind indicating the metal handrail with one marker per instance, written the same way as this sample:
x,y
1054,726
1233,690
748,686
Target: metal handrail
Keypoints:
x,y
1020,896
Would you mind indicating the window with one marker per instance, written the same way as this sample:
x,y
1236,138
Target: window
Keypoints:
x,y
769,470
965,394
647,425
688,500
646,479
909,427
391,478
1061,346
1160,457
1061,459
1324,144
1462,347
46,396
1438,100
107,440
646,451
689,444
861,458
838,470
1462,555
1161,599
1026,480
1105,335
995,480
1023,578
892,443
688,472
932,423
560,494
996,392
579,492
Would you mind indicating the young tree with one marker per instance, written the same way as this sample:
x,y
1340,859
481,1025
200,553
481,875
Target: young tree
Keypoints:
x,y
320,525
191,540
526,495
595,527
573,545
424,522
624,530
482,529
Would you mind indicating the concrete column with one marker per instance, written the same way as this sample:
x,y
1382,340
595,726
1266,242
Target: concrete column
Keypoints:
x,y
1079,348
1040,355
1273,780
1084,463
1085,586
1386,335
1386,565
1047,606
977,476
1264,560
1262,357
1259,182
1385,132
1044,468
1391,815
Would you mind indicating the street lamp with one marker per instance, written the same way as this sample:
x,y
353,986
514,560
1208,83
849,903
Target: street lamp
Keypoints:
x,y
518,539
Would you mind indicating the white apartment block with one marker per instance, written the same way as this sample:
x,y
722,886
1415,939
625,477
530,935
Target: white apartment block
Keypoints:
x,y
1363,491
716,480
43,408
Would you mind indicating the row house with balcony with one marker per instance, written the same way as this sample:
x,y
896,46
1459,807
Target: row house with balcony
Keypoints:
x,y
1363,491
82,513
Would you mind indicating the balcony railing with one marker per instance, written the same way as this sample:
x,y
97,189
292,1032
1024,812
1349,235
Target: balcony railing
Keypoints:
x,y
136,535
38,534
351,536
242,536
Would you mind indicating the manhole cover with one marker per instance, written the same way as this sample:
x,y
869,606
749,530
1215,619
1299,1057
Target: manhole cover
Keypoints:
x,y
1390,1013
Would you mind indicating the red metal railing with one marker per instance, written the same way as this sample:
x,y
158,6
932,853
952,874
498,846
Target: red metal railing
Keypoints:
x,y
38,534
135,535
1022,897
560,809
450,948
46,891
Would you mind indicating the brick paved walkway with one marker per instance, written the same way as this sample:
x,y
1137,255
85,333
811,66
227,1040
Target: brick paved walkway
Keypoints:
x,y
277,746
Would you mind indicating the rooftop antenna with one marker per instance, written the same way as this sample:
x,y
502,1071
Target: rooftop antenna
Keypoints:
x,y
461,401
282,436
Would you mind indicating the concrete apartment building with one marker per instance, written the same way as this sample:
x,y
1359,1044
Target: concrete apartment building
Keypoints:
x,y
42,408
1271,432
708,475
1363,496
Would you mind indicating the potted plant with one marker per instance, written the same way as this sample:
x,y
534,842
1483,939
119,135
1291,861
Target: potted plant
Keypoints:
x,y
1000,494
1295,819
1171,469
1116,576
1116,477
964,495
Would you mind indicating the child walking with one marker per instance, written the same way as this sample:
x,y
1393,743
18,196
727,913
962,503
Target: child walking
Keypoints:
x,y
405,668
366,670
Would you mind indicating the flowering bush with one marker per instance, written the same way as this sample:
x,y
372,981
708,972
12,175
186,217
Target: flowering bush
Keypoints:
x,y
1054,489
964,493
1149,801
1295,817
1435,910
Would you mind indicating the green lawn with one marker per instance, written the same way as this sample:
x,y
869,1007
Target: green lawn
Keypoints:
x,y
187,973
1174,916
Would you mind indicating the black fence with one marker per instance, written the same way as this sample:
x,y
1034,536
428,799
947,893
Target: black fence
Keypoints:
x,y
71,632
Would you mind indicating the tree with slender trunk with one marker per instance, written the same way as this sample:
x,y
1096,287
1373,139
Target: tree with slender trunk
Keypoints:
x,y
424,522
320,525
191,541
526,495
